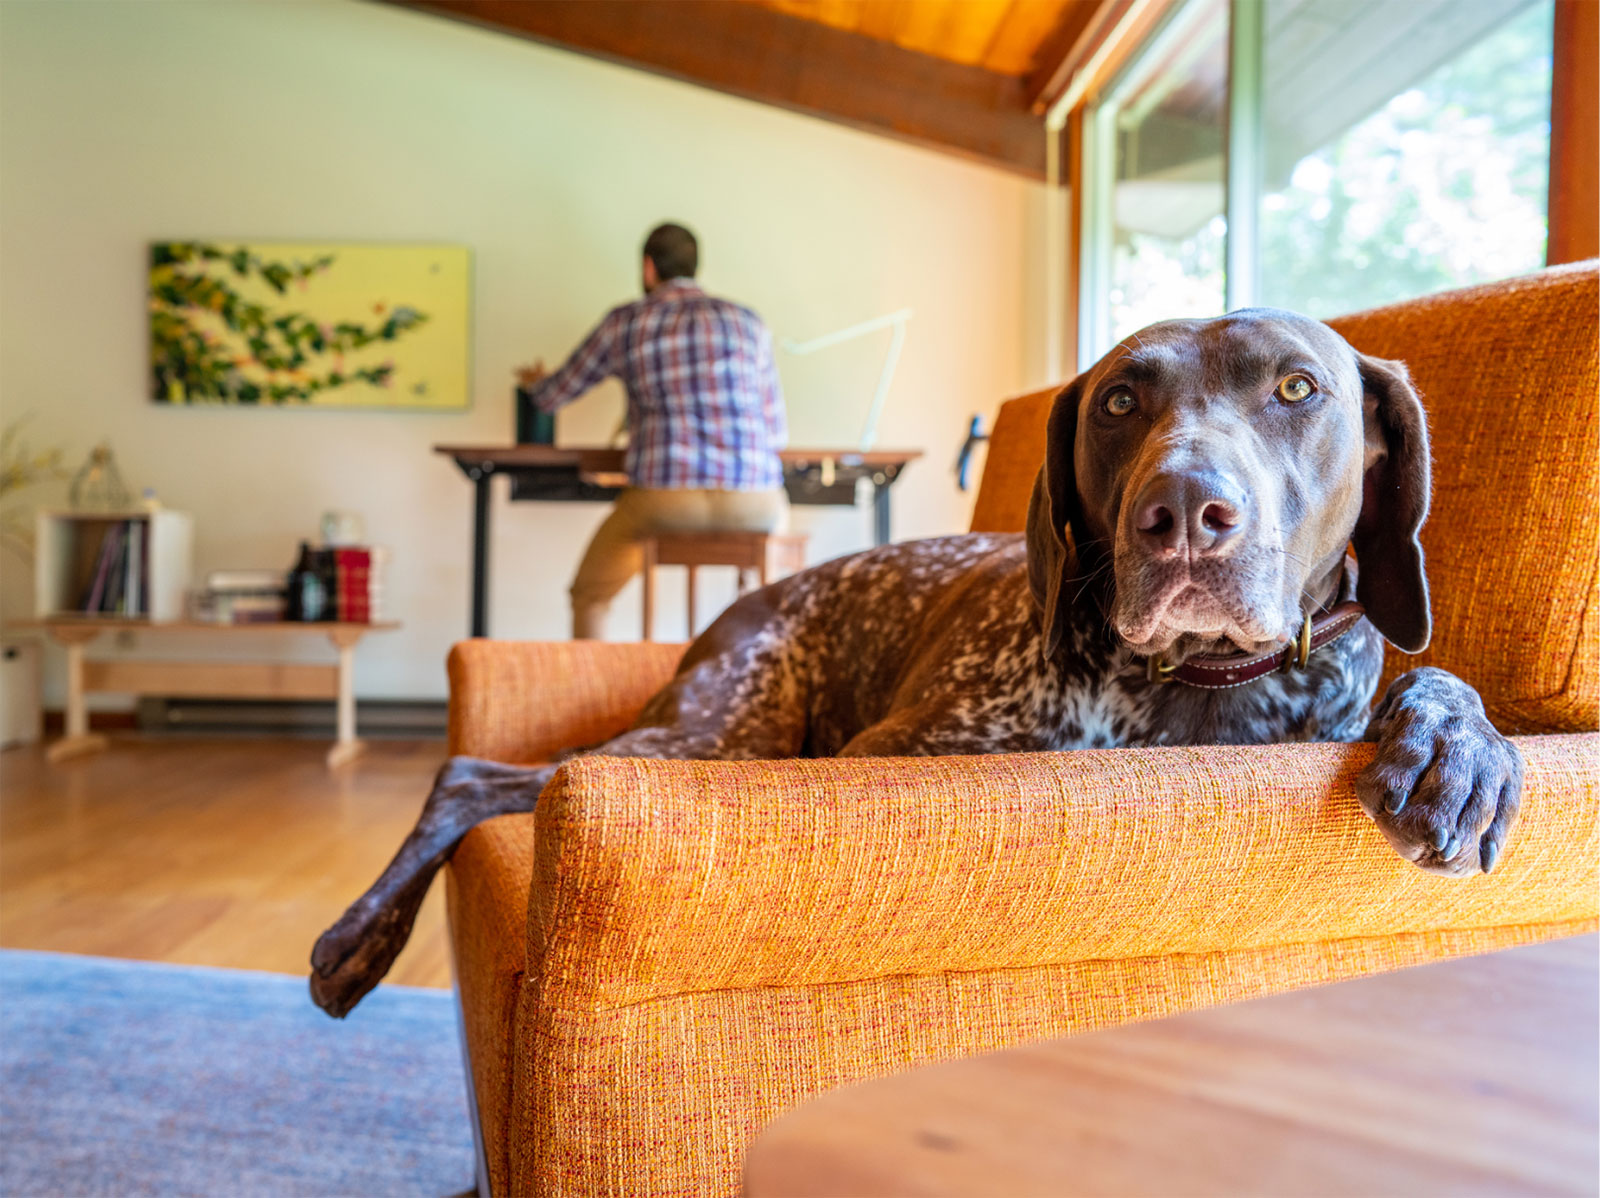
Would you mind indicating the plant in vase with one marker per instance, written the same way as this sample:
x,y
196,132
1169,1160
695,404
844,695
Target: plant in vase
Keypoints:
x,y
21,468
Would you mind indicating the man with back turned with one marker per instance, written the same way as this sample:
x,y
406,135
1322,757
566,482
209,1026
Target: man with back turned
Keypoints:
x,y
705,418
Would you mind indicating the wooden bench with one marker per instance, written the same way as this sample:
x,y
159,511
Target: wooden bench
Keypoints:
x,y
229,679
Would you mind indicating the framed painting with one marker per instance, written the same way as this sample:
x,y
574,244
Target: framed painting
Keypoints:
x,y
310,325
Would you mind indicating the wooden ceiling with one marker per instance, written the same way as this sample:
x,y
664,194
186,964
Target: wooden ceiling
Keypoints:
x,y
971,77
998,35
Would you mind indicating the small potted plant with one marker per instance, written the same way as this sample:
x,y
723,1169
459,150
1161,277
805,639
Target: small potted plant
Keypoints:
x,y
21,469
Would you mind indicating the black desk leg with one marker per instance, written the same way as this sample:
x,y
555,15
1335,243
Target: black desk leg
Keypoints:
x,y
481,477
880,511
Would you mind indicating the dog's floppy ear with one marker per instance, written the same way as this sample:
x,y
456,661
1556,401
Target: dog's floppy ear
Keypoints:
x,y
1052,508
1391,583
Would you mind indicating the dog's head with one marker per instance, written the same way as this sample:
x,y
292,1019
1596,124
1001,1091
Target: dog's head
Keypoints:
x,y
1208,474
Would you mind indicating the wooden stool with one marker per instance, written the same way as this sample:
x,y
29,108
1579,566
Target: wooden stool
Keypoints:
x,y
771,555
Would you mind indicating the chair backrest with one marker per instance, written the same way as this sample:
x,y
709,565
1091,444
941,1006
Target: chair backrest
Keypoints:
x,y
1510,376
1016,451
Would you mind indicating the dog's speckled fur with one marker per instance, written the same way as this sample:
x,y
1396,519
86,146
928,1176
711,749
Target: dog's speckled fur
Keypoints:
x,y
1005,643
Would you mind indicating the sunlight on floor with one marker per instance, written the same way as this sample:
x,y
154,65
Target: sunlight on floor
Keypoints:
x,y
235,853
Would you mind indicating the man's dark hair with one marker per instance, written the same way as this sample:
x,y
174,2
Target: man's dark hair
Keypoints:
x,y
674,251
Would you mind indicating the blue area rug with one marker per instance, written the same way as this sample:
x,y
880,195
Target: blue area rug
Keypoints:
x,y
123,1078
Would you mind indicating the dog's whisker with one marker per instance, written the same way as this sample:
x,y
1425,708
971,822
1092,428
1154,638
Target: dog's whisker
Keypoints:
x,y
1099,572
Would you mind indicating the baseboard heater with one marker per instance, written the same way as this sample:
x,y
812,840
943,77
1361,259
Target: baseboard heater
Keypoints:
x,y
375,718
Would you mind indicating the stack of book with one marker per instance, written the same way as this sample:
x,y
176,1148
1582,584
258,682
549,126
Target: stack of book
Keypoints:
x,y
358,582
242,597
117,582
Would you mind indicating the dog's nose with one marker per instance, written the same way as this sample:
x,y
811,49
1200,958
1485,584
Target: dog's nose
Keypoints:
x,y
1200,513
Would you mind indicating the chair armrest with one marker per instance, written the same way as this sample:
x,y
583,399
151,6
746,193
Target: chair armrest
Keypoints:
x,y
655,878
522,701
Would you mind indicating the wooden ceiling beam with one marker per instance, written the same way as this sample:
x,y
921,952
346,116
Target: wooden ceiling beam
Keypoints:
x,y
761,54
1084,25
1094,42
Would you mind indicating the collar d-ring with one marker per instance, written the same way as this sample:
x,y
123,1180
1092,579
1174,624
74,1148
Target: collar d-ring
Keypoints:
x,y
1299,650
1157,670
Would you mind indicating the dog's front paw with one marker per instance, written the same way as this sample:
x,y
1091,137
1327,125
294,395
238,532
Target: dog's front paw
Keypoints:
x,y
1444,786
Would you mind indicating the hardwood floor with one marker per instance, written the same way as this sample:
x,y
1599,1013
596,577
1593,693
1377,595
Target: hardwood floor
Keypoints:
x,y
209,852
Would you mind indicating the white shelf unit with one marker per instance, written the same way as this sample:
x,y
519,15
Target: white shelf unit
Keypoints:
x,y
67,551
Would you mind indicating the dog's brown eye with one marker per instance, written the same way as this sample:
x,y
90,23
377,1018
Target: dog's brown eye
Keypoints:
x,y
1296,389
1120,403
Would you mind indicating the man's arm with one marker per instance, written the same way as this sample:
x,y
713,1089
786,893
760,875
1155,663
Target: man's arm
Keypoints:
x,y
590,363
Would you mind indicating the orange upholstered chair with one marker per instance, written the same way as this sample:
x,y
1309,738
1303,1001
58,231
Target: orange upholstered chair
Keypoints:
x,y
666,955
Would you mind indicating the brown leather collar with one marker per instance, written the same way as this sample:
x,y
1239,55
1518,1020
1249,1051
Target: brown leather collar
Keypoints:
x,y
1222,671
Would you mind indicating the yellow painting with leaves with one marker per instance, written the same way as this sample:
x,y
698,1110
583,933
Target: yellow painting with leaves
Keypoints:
x,y
307,325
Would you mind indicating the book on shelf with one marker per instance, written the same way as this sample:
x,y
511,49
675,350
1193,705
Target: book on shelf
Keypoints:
x,y
251,609
247,582
133,578
116,600
117,582
90,602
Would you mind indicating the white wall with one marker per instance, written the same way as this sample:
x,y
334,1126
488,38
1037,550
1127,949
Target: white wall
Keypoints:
x,y
126,122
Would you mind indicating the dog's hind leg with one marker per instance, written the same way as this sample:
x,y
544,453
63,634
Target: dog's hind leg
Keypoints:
x,y
352,956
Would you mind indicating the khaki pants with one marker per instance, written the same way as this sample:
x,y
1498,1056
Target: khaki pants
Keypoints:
x,y
614,555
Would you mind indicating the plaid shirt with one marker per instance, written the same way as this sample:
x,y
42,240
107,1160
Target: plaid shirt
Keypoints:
x,y
705,409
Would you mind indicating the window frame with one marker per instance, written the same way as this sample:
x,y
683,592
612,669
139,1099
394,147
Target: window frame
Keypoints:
x,y
1084,119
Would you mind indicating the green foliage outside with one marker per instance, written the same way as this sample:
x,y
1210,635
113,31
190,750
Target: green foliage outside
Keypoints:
x,y
266,355
1443,187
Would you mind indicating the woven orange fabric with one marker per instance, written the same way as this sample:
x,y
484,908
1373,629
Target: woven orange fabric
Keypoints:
x,y
1510,376
1016,450
663,1097
486,888
520,702
654,878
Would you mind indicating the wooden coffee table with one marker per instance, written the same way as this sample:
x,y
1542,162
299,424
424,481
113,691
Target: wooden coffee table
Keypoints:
x,y
1476,1076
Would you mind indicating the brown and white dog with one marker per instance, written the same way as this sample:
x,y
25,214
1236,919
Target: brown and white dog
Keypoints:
x,y
1184,579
